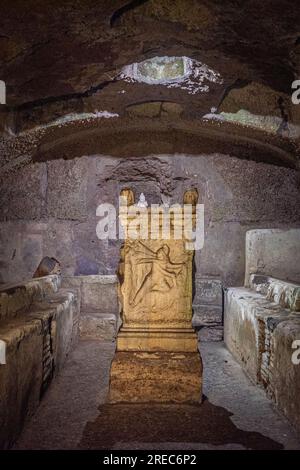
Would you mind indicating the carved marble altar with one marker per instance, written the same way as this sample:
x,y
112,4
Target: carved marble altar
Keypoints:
x,y
157,357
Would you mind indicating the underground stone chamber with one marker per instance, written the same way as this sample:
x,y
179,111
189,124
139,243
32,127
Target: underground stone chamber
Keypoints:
x,y
156,100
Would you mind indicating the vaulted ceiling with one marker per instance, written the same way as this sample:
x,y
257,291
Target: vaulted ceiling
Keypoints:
x,y
59,47
63,56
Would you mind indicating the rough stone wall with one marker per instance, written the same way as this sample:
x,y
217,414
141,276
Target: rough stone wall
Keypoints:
x,y
273,252
50,209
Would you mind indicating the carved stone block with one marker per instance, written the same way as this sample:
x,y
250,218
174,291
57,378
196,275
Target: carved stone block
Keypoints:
x,y
157,355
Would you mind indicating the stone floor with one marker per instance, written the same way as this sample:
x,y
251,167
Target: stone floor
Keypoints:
x,y
235,413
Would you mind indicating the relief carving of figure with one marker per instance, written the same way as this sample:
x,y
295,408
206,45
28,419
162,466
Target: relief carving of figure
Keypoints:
x,y
154,275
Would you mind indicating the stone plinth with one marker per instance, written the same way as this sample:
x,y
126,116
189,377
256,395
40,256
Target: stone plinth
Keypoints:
x,y
142,377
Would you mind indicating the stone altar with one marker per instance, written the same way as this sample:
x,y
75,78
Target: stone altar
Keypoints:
x,y
157,357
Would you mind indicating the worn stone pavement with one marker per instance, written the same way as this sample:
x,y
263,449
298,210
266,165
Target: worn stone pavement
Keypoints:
x,y
235,414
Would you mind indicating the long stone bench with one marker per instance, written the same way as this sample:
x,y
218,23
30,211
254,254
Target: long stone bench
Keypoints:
x,y
15,298
38,325
261,323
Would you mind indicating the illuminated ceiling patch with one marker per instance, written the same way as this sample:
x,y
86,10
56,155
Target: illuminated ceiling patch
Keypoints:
x,y
161,69
173,72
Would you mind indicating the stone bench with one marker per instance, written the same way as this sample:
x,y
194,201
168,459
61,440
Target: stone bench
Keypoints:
x,y
15,298
283,293
99,311
260,324
38,327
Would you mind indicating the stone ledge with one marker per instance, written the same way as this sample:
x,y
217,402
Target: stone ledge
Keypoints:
x,y
13,332
17,298
284,293
91,278
157,339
